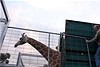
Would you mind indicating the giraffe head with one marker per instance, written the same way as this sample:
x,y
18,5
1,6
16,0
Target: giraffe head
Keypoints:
x,y
22,40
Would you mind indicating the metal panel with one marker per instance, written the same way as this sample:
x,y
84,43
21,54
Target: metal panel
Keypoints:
x,y
79,28
75,52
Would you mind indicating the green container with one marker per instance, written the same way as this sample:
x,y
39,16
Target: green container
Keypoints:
x,y
77,56
74,50
79,28
79,44
76,64
75,43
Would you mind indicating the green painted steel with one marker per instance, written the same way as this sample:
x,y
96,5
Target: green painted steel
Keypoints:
x,y
74,51
79,28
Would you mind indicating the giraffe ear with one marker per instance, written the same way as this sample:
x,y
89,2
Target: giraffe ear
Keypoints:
x,y
56,47
25,35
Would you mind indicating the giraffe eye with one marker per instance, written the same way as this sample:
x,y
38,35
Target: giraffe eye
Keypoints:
x,y
20,38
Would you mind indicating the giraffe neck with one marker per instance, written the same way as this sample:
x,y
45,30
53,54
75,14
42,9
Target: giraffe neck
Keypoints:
x,y
43,49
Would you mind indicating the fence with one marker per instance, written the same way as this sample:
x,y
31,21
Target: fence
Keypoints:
x,y
12,36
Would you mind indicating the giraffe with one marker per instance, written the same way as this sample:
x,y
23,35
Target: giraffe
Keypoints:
x,y
54,55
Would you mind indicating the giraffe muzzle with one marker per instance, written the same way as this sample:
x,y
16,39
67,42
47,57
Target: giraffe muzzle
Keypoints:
x,y
15,46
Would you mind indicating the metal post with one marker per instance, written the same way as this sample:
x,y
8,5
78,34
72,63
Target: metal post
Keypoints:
x,y
3,35
88,54
60,43
5,10
6,21
49,50
18,59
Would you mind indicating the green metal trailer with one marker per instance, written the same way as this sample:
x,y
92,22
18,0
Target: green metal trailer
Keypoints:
x,y
75,52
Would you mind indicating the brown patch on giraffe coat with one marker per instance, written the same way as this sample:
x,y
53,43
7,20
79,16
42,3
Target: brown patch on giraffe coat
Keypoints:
x,y
54,55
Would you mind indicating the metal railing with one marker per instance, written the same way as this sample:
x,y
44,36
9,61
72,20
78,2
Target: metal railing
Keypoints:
x,y
48,34
19,61
65,35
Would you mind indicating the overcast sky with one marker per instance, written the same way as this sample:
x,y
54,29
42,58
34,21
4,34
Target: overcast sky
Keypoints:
x,y
50,15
